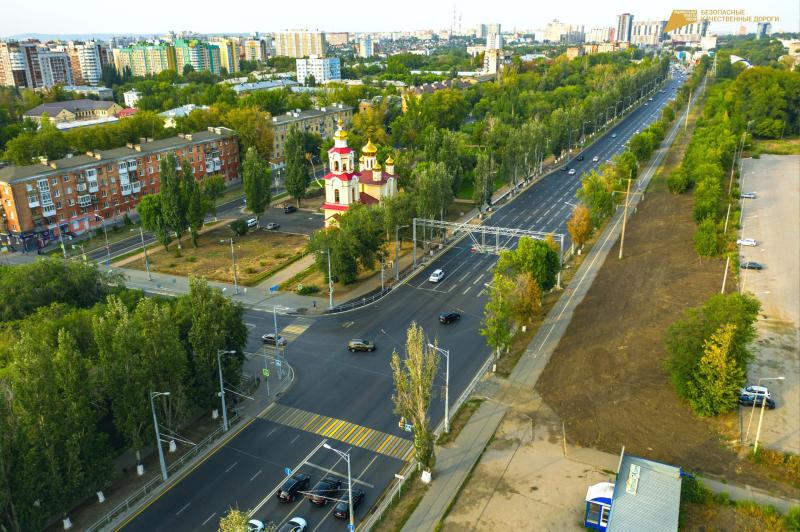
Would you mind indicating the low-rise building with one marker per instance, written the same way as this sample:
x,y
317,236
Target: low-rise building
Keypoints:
x,y
430,88
323,69
40,202
321,121
244,88
103,93
131,97
171,114
72,112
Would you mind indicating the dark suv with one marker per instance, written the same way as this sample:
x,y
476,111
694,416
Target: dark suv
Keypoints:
x,y
755,400
293,485
326,489
289,208
342,508
449,317
359,344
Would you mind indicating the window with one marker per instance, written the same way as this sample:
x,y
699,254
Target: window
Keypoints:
x,y
336,196
110,167
55,180
70,202
56,193
152,181
105,193
58,205
66,179
158,156
150,170
69,190
105,205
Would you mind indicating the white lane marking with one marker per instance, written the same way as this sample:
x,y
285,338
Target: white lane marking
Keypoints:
x,y
481,292
270,433
250,325
182,509
254,476
478,279
467,290
209,519
294,440
465,275
231,467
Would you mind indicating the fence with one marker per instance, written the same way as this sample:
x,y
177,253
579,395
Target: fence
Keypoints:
x,y
154,483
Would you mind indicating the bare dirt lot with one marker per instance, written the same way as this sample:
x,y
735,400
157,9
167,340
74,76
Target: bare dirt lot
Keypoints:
x,y
606,380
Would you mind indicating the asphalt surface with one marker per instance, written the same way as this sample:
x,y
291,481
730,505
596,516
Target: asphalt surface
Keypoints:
x,y
346,397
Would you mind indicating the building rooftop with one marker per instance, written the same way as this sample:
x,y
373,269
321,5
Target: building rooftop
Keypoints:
x,y
73,106
12,174
264,85
298,115
647,496
183,110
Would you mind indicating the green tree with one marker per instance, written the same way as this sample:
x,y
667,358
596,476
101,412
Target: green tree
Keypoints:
x,y
706,238
707,199
497,313
413,384
433,190
482,189
715,387
257,183
296,165
596,195
197,205
253,127
536,257
526,299
151,213
174,202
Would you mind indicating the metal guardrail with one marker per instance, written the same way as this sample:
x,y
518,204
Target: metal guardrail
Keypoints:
x,y
153,484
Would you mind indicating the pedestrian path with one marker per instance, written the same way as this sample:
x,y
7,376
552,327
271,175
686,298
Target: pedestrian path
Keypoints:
x,y
344,431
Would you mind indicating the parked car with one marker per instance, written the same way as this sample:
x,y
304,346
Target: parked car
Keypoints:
x,y
327,488
342,508
746,242
579,157
595,159
748,195
269,339
289,208
571,171
755,390
254,525
360,344
613,135
436,276
295,524
449,317
751,265
252,222
272,226
756,400
293,486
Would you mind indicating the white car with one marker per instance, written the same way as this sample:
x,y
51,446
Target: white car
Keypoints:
x,y
254,525
613,135
595,159
295,524
754,390
272,226
746,242
252,222
571,171
748,195
436,276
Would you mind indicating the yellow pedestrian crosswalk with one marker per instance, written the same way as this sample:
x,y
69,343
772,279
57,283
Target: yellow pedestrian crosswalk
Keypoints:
x,y
344,431
296,328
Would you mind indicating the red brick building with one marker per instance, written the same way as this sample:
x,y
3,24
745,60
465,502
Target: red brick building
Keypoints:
x,y
77,193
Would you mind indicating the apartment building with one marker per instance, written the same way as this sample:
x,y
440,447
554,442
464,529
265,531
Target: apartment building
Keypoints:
x,y
300,43
324,69
33,65
202,56
648,32
228,53
75,194
87,60
624,27
321,121
339,38
254,50
365,47
102,93
689,34
145,59
55,68
598,35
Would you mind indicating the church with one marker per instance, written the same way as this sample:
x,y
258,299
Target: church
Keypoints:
x,y
344,186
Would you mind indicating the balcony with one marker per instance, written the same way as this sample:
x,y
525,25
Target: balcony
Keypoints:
x,y
33,201
125,189
136,186
84,200
93,186
132,166
48,209
81,187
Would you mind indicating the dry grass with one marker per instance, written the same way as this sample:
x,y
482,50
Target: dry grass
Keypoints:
x,y
459,420
257,254
401,509
778,147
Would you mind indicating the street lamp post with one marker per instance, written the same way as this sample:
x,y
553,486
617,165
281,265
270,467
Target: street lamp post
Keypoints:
x,y
146,258
346,457
221,352
153,395
397,250
235,279
108,248
446,354
761,415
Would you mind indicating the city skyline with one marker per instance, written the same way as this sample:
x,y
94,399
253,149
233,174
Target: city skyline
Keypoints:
x,y
68,19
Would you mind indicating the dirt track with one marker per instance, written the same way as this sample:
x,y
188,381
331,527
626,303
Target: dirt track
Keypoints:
x,y
606,379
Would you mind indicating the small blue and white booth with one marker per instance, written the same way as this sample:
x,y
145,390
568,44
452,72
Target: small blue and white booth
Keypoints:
x,y
598,505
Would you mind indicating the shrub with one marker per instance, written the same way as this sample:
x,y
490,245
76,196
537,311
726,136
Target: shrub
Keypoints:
x,y
239,227
306,290
706,239
693,491
678,181
127,219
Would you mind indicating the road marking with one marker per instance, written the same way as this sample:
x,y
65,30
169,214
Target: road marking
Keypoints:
x,y
231,467
465,291
478,279
341,430
348,324
254,476
270,433
182,509
296,328
332,472
294,440
210,517
250,326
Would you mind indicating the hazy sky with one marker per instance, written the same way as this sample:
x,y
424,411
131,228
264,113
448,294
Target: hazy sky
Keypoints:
x,y
148,17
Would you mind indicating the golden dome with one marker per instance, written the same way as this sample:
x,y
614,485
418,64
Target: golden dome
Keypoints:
x,y
389,161
376,166
369,148
340,134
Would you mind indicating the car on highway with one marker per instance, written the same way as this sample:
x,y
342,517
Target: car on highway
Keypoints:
x,y
289,208
342,508
272,226
449,317
751,265
595,159
748,195
571,171
252,222
645,103
360,344
269,339
295,524
746,242
326,489
613,135
754,389
436,276
756,400
293,486
579,157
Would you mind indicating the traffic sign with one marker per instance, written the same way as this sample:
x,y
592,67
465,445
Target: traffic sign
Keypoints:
x,y
265,371
287,471
351,527
274,288
277,362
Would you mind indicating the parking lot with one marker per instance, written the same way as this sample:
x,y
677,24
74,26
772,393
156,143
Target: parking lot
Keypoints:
x,y
772,220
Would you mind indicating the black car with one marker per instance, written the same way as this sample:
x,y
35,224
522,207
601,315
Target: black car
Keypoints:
x,y
748,400
359,344
565,168
326,489
751,265
579,157
342,508
289,208
293,485
449,317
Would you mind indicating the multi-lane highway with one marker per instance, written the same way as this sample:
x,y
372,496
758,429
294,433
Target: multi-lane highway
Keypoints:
x,y
344,397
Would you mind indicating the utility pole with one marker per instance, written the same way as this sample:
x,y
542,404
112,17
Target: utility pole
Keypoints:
x,y
397,251
153,395
235,278
346,457
330,281
446,354
689,101
220,352
625,217
146,258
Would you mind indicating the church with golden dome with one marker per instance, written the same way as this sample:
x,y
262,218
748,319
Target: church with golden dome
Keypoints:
x,y
346,186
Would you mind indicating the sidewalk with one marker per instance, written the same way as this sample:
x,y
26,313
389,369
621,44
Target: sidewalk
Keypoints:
x,y
455,463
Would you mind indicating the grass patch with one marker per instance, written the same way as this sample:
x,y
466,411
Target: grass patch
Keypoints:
x,y
398,512
468,187
784,467
293,281
461,418
777,147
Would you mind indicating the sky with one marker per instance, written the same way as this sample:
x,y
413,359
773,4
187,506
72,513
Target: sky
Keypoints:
x,y
152,17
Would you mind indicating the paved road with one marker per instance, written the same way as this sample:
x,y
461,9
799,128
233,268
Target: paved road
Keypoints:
x,y
346,397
